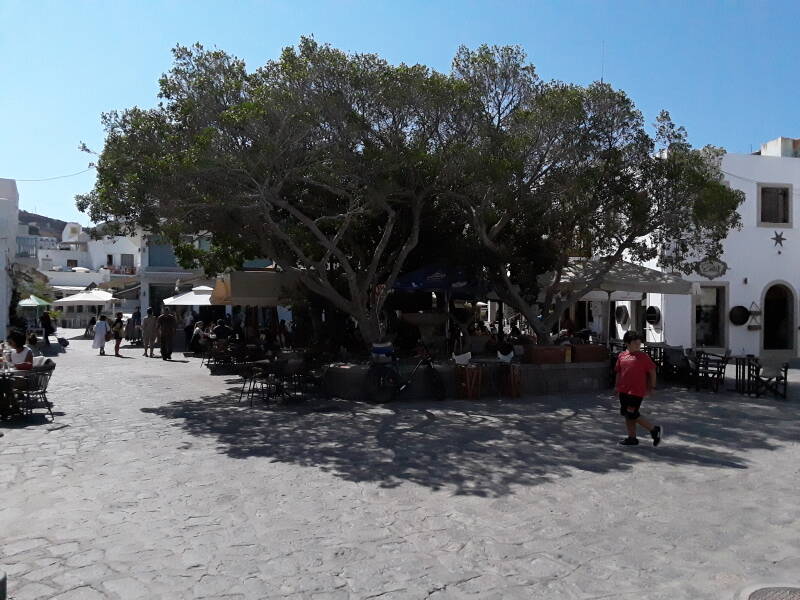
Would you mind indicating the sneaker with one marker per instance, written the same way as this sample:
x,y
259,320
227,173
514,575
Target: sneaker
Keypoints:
x,y
629,441
657,434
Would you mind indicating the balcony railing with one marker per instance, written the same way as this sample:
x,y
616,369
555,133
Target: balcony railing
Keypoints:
x,y
117,270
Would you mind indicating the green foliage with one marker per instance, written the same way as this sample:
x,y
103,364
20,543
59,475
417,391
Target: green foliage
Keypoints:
x,y
560,172
319,160
350,170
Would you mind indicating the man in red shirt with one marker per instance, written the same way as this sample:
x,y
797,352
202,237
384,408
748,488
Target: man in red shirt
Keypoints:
x,y
636,377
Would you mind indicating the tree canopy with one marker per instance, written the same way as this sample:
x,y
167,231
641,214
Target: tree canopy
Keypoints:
x,y
350,170
562,173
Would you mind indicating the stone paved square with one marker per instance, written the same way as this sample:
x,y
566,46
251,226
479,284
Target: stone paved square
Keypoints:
x,y
153,482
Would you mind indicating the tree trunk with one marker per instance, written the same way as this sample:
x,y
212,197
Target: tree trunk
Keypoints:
x,y
369,327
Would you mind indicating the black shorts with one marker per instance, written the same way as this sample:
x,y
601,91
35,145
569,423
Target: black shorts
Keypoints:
x,y
626,400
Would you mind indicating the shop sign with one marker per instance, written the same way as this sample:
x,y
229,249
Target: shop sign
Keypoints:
x,y
711,268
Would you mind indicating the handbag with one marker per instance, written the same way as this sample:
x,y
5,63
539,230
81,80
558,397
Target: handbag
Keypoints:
x,y
109,335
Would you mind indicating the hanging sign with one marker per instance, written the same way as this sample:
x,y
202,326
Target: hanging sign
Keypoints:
x,y
711,268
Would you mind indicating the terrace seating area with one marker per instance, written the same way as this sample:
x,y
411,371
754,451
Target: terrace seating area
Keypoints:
x,y
703,370
268,374
22,392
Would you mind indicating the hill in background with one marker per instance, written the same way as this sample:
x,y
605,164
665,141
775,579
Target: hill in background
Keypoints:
x,y
47,227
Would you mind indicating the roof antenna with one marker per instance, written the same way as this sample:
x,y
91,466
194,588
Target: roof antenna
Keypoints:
x,y
602,59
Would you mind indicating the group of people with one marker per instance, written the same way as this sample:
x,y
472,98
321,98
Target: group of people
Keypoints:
x,y
161,330
153,330
204,333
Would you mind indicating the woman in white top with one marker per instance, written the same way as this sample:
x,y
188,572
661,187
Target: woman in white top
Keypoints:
x,y
100,330
21,355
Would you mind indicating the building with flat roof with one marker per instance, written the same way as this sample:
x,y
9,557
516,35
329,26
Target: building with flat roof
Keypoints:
x,y
748,301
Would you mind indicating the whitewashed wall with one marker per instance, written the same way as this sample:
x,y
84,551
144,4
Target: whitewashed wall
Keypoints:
x,y
9,218
754,261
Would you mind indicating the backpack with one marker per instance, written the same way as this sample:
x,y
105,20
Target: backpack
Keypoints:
x,y
63,341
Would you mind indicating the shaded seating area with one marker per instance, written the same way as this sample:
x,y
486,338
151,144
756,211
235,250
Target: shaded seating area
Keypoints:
x,y
707,370
759,376
24,392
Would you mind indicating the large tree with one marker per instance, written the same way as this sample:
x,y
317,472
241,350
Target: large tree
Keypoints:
x,y
320,160
562,172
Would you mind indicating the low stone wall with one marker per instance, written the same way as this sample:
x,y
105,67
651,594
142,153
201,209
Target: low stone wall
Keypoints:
x,y
349,380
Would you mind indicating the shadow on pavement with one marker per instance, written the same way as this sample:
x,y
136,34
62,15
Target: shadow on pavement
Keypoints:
x,y
485,447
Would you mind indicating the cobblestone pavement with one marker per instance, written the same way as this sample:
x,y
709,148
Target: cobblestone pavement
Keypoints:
x,y
154,483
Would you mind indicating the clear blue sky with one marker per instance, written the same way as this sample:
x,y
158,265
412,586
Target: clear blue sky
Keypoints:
x,y
726,70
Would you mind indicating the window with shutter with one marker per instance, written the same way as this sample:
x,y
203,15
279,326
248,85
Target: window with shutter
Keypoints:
x,y
775,205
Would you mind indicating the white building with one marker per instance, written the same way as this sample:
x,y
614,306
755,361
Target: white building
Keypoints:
x,y
76,260
160,275
9,215
749,299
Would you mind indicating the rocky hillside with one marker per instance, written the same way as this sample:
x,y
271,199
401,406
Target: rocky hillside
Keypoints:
x,y
47,227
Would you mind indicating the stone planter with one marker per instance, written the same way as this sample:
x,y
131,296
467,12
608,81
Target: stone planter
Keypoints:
x,y
589,353
545,355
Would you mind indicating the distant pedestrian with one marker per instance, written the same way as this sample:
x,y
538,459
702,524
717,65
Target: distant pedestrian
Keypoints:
x,y
90,327
221,331
101,331
197,341
167,325
47,326
636,378
137,326
283,334
149,332
188,326
118,329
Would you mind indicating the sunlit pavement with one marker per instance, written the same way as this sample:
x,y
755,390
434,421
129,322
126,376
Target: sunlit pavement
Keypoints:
x,y
153,482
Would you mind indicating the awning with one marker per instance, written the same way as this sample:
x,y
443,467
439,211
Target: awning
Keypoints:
x,y
33,302
627,277
198,296
90,297
254,288
439,278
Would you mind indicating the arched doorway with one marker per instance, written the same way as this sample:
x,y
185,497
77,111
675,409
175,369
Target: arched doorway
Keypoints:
x,y
778,318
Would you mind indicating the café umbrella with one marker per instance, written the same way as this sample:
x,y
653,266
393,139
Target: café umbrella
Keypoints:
x,y
33,302
197,296
93,297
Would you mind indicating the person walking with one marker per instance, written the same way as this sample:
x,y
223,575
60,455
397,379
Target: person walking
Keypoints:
x,y
167,325
90,327
47,326
149,332
118,329
188,326
636,378
283,334
101,331
137,325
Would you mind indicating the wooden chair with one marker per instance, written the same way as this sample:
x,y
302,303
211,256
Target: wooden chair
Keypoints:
x,y
219,355
708,369
768,376
675,364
